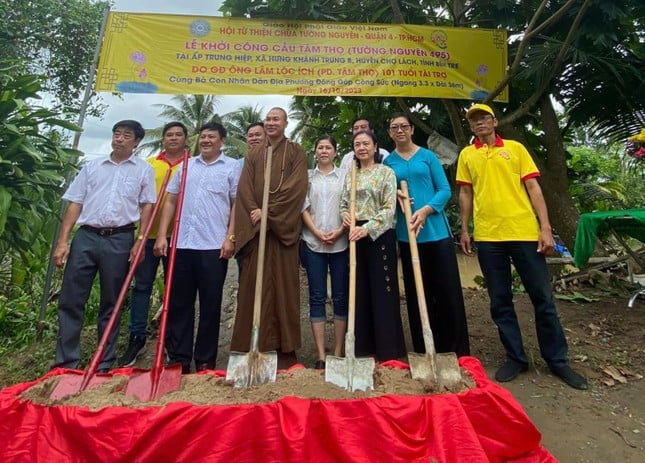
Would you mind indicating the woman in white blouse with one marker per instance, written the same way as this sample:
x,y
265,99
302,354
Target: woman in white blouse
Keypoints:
x,y
325,246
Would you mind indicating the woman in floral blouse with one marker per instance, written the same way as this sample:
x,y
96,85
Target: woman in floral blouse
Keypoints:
x,y
379,331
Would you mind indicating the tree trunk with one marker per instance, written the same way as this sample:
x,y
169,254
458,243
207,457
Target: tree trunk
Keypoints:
x,y
562,211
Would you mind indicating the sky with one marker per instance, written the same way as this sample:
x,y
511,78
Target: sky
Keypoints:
x,y
96,137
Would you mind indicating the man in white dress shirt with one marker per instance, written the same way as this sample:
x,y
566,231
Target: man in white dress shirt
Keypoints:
x,y
205,242
104,199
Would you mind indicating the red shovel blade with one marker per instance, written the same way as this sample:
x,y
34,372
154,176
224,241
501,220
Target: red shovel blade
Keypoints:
x,y
151,385
70,384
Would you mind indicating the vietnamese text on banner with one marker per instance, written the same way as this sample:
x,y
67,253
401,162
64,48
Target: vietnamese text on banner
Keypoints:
x,y
153,53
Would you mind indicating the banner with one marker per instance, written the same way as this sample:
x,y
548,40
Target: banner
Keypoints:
x,y
153,53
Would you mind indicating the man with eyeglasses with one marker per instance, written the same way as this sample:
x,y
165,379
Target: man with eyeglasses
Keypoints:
x,y
106,198
499,188
358,125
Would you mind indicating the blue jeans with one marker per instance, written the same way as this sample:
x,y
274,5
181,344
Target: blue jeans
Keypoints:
x,y
495,262
317,265
144,279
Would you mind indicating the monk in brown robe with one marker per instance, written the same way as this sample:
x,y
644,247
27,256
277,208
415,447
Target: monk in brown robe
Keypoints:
x,y
280,314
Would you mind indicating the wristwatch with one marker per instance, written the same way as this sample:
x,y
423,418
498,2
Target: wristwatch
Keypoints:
x,y
231,238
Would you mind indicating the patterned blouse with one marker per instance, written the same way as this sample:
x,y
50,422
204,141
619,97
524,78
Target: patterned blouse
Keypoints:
x,y
375,199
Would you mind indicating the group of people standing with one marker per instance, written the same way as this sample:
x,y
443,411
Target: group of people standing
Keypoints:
x,y
380,230
308,221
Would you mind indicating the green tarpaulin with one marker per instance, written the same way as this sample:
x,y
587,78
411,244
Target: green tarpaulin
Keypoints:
x,y
630,222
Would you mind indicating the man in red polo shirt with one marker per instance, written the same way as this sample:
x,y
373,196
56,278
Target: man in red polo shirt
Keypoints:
x,y
499,189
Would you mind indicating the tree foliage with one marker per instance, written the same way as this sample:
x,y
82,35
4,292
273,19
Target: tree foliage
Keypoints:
x,y
236,123
33,166
584,55
53,38
191,110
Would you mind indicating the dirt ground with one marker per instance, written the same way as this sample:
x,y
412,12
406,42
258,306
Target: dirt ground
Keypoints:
x,y
604,424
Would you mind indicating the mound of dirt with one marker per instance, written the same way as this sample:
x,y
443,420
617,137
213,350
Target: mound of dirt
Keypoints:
x,y
212,389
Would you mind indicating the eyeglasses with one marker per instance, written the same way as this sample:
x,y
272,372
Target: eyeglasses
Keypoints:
x,y
401,127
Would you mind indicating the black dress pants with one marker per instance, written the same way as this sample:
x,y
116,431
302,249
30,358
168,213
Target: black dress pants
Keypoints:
x,y
195,271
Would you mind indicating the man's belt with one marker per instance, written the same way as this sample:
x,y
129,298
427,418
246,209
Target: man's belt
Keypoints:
x,y
109,231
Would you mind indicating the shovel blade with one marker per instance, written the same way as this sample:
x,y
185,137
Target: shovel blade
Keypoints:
x,y
337,371
351,373
361,374
247,369
423,367
151,385
448,370
70,384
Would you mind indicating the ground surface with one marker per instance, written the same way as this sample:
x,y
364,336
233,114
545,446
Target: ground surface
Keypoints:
x,y
604,424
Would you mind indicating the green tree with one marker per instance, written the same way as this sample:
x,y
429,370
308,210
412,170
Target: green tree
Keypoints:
x,y
236,123
586,55
53,38
33,166
602,179
191,110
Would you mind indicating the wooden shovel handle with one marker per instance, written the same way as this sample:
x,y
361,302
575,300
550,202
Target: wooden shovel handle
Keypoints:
x,y
416,268
351,303
257,300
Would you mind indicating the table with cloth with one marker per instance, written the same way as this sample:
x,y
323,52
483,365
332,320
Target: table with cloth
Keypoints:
x,y
628,222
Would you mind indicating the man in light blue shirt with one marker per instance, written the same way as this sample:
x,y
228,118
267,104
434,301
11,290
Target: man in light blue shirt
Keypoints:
x,y
106,198
205,242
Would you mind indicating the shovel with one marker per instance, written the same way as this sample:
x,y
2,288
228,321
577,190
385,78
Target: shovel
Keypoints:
x,y
442,369
71,384
351,373
255,368
150,385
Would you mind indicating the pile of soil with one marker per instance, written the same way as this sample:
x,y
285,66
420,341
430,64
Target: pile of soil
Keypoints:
x,y
209,389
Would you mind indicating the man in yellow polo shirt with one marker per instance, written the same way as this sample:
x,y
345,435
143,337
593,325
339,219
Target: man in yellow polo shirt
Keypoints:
x,y
499,189
174,137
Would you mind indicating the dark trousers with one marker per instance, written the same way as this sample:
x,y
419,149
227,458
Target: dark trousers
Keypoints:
x,y
144,279
318,265
90,253
443,295
379,330
203,271
495,262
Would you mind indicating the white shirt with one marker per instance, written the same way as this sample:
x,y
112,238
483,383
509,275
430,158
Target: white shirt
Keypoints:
x,y
111,192
323,202
209,195
345,163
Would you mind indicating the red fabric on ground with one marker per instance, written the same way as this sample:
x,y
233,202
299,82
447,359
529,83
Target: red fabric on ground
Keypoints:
x,y
480,425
